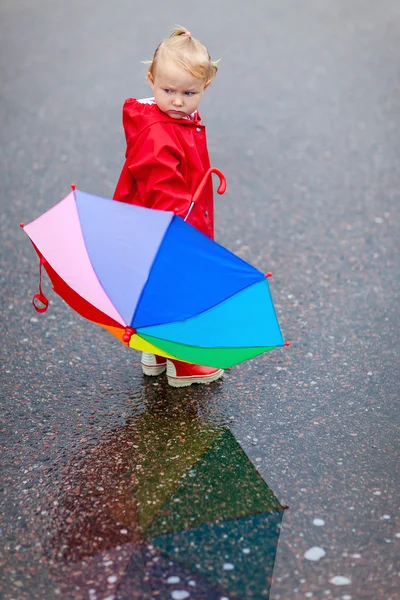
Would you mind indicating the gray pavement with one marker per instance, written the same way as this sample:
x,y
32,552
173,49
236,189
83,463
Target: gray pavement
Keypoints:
x,y
304,120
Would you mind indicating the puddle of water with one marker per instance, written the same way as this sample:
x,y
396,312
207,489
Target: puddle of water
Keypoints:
x,y
169,501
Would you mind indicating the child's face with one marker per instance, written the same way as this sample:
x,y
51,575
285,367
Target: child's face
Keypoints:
x,y
175,90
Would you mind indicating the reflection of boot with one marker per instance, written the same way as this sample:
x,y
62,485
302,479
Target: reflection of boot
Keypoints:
x,y
181,374
152,364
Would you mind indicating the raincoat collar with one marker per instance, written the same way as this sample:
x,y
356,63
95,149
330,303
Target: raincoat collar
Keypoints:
x,y
194,117
138,115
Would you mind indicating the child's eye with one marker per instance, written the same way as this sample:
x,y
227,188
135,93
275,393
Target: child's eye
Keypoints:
x,y
189,93
167,91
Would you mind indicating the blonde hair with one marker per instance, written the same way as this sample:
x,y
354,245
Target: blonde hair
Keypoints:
x,y
187,52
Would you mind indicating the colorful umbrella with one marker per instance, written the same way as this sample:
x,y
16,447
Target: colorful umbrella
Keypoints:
x,y
154,281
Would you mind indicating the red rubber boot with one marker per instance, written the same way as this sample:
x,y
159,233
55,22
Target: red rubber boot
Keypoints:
x,y
182,374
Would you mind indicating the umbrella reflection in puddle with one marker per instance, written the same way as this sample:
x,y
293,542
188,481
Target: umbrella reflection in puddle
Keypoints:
x,y
170,504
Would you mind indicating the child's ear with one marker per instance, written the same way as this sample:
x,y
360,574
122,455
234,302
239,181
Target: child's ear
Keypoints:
x,y
150,78
207,84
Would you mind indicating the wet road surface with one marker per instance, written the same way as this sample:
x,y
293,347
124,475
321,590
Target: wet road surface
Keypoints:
x,y
116,486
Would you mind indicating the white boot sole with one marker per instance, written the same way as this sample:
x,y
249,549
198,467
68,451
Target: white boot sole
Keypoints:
x,y
153,370
186,381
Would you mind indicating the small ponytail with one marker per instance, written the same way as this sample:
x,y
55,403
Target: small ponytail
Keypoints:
x,y
178,30
186,51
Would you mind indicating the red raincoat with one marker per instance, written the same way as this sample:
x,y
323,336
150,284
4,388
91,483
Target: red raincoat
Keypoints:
x,y
166,159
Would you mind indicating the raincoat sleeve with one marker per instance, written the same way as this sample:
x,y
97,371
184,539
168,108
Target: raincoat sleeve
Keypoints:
x,y
154,162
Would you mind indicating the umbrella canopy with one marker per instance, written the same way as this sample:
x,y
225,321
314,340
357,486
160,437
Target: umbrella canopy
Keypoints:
x,y
155,282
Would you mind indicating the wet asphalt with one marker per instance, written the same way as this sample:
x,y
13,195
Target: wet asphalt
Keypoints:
x,y
115,486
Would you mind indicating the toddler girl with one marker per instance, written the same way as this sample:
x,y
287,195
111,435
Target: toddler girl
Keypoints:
x,y
167,157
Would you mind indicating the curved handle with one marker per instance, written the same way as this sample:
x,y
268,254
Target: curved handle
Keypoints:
x,y
222,183
40,297
221,188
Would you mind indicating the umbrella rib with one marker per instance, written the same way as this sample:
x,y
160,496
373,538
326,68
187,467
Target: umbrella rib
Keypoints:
x,y
148,276
202,312
219,364
95,272
210,347
108,319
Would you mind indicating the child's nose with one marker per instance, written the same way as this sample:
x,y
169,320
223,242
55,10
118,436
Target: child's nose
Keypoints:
x,y
178,101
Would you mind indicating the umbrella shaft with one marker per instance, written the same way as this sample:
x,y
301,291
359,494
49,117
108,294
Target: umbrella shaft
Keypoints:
x,y
189,211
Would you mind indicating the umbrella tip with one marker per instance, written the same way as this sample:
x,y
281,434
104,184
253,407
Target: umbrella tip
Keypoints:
x,y
269,274
129,332
22,225
287,344
73,187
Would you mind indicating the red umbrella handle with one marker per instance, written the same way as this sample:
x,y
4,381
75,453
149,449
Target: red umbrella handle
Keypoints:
x,y
221,188
40,297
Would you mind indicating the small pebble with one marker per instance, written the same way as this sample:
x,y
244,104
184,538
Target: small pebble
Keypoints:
x,y
340,580
112,579
315,553
318,522
173,579
180,595
228,566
